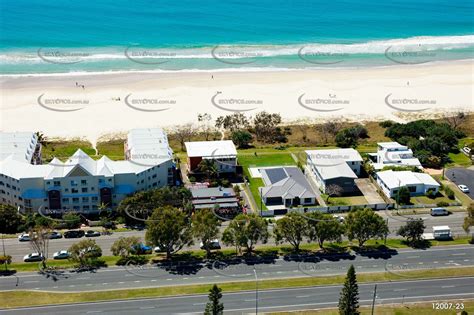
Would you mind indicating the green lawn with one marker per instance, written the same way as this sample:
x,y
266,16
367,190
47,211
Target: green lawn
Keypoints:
x,y
428,201
459,159
114,149
63,149
346,201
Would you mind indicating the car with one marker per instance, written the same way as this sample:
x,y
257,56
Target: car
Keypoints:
x,y
33,257
74,234
158,249
141,249
438,211
24,237
467,150
91,233
54,235
62,254
339,218
463,188
214,244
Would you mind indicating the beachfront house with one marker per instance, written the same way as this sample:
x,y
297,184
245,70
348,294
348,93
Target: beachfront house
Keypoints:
x,y
286,186
81,183
417,183
393,154
223,153
335,167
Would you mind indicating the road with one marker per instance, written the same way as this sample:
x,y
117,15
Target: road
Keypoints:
x,y
439,290
223,271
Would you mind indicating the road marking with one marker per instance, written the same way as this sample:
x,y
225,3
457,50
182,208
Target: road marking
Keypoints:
x,y
30,281
146,307
90,312
396,290
121,282
72,286
413,257
303,296
154,280
435,262
458,254
420,263
105,283
199,304
466,259
83,278
447,286
137,281
169,279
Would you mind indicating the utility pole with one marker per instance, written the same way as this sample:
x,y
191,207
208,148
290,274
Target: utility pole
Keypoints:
x,y
261,201
373,300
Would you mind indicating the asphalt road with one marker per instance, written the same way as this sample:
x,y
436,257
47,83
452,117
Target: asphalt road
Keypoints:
x,y
462,176
439,290
19,249
166,275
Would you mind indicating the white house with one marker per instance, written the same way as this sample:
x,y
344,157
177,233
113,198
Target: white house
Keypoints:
x,y
335,167
223,153
82,183
417,183
393,154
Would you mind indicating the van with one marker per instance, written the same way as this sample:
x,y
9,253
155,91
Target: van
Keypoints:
x,y
439,211
442,232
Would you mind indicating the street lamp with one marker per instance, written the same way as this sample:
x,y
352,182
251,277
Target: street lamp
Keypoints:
x,y
256,290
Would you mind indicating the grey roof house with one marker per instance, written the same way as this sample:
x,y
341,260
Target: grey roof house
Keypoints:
x,y
286,186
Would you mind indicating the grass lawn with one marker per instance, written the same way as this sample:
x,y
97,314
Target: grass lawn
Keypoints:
x,y
459,159
465,199
392,309
346,201
428,201
19,298
63,149
114,149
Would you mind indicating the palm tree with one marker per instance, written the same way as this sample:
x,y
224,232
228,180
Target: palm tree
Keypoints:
x,y
208,167
41,138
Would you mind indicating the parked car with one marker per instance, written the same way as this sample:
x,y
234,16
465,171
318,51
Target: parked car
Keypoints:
x,y
339,218
467,150
74,234
214,244
91,233
24,237
463,188
141,249
33,257
62,254
54,235
158,249
438,211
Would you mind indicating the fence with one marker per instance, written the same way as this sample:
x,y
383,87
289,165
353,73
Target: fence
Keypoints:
x,y
328,209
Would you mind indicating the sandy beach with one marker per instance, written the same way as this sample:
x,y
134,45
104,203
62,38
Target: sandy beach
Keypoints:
x,y
93,105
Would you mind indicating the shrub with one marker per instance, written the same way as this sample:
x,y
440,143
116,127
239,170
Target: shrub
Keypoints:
x,y
442,204
5,259
430,193
386,123
449,192
132,260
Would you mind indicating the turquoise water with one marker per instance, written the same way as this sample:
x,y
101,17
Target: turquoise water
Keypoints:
x,y
59,36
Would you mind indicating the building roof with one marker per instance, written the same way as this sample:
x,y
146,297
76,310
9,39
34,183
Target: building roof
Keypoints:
x,y
334,156
390,145
212,192
286,182
148,146
335,171
404,178
19,145
81,164
210,149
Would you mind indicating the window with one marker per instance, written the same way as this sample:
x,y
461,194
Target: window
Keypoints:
x,y
73,183
83,182
75,200
57,183
74,190
95,199
85,199
84,189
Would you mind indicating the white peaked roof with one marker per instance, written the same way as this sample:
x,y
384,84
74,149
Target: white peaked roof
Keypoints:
x,y
211,148
403,178
148,146
391,145
19,145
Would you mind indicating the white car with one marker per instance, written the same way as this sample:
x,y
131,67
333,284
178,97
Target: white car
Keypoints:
x,y
463,188
24,237
339,218
157,249
62,254
33,257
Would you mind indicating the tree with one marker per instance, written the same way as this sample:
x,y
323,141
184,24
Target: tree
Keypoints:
x,y
214,306
184,133
364,224
412,231
329,128
242,138
206,128
349,297
324,227
292,228
403,196
5,260
208,167
10,220
39,242
469,220
72,220
333,190
246,230
264,125
455,120
85,253
123,247
347,138
236,121
205,227
169,229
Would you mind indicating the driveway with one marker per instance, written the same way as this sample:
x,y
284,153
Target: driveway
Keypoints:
x,y
459,175
369,190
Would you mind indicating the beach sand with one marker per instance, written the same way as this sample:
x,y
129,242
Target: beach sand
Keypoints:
x,y
39,103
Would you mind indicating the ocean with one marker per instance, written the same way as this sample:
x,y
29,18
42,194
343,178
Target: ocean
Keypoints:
x,y
65,36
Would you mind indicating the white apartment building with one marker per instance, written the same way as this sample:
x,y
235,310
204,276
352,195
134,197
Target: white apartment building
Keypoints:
x,y
82,183
393,154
